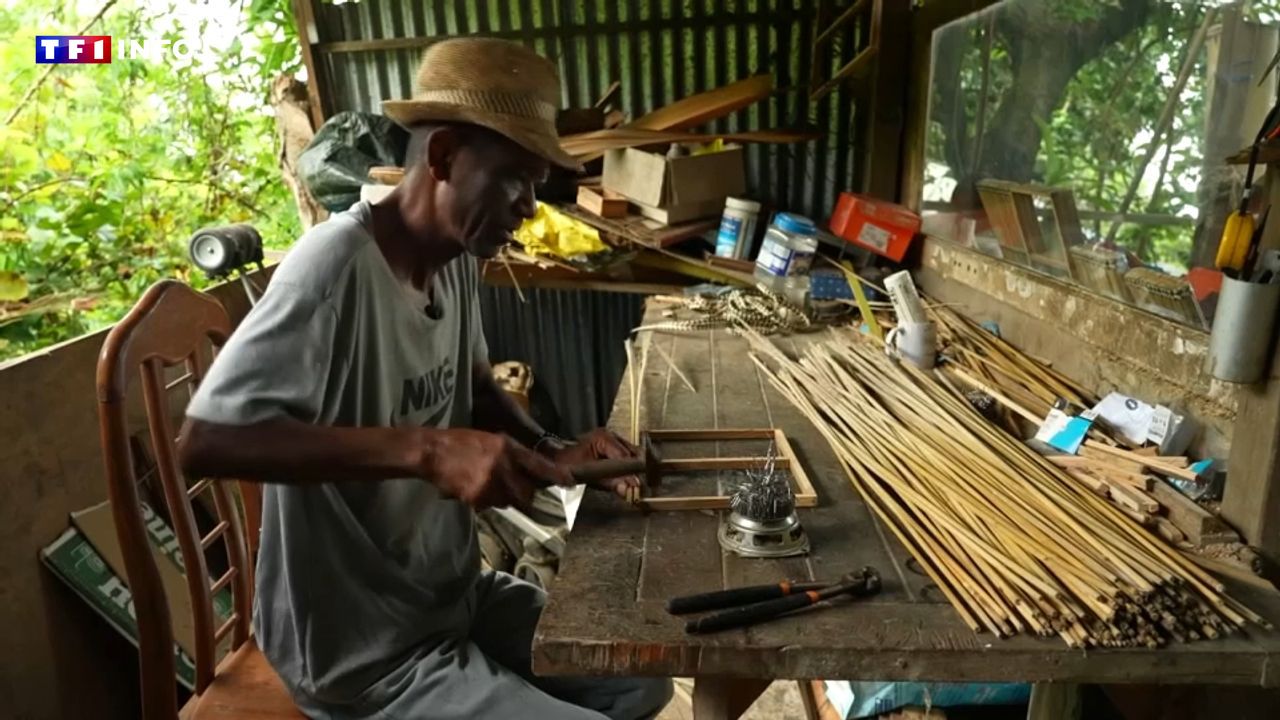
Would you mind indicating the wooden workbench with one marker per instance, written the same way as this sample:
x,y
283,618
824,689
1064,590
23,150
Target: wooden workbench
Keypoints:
x,y
605,614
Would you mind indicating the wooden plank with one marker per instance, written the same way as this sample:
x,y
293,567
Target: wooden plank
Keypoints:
x,y
1199,525
1134,499
590,145
703,107
604,203
681,551
888,102
692,502
806,496
1105,458
1156,465
712,434
722,463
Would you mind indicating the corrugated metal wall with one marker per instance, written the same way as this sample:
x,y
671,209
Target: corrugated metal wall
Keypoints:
x,y
660,50
572,340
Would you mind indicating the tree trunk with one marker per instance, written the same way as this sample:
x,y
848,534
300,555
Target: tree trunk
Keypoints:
x,y
294,131
1045,52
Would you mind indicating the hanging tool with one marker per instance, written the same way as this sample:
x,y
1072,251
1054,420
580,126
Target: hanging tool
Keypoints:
x,y
863,583
1240,234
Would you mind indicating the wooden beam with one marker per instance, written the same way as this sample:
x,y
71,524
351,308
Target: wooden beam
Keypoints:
x,y
887,101
308,38
1199,525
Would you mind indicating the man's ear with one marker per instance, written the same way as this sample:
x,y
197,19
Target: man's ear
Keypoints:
x,y
441,147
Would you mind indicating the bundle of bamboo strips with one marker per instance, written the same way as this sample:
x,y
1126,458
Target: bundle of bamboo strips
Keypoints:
x,y
993,362
1013,542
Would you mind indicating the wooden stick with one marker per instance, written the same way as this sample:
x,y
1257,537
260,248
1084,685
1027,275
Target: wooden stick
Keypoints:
x,y
1014,541
671,363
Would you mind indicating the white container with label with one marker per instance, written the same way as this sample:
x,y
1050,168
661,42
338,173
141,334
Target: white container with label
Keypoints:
x,y
786,255
737,227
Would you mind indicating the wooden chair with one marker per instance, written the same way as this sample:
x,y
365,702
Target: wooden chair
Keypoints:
x,y
174,325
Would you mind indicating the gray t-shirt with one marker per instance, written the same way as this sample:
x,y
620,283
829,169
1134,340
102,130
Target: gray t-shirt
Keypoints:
x,y
354,578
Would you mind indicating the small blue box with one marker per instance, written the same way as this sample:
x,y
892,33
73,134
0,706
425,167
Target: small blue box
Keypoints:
x,y
829,285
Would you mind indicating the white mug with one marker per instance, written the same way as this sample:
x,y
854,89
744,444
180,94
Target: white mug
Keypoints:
x,y
913,342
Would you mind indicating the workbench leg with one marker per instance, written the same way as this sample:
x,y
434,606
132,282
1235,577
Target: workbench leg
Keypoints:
x,y
1054,701
809,698
724,698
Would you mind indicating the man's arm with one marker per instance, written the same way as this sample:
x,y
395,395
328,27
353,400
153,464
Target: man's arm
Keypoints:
x,y
480,468
494,410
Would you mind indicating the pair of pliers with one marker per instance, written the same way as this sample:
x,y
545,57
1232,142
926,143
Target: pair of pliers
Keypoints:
x,y
757,603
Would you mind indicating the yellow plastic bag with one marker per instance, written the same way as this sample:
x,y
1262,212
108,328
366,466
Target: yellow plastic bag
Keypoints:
x,y
551,232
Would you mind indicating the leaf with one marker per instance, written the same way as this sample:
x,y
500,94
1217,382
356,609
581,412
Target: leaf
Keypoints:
x,y
13,287
58,162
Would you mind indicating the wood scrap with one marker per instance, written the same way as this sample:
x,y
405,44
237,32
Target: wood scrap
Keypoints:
x,y
594,143
386,174
598,201
1134,499
1129,466
706,106
1199,525
1154,463
610,95
638,230
1169,531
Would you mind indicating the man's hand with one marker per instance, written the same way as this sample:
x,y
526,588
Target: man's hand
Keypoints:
x,y
600,444
486,469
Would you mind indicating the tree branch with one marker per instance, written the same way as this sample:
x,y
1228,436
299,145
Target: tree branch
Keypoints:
x,y
14,200
31,91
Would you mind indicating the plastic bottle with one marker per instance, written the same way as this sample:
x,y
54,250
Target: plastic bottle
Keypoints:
x,y
737,227
786,256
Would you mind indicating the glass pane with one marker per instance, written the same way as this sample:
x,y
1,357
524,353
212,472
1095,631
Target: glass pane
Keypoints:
x,y
1088,139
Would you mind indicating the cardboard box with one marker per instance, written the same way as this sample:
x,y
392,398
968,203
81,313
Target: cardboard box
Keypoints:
x,y
88,558
676,214
682,188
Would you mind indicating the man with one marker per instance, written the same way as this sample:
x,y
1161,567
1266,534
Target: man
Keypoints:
x,y
360,388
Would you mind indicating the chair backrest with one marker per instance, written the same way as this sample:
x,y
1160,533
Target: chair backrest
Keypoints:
x,y
172,325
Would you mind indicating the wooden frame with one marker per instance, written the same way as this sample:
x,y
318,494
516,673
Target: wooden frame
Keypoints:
x,y
860,64
806,495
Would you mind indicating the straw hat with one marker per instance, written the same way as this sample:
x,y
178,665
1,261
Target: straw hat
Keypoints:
x,y
497,84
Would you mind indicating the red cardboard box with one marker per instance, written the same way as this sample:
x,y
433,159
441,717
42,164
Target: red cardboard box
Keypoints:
x,y
882,227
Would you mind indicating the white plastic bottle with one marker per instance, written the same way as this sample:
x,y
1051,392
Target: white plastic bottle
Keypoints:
x,y
786,256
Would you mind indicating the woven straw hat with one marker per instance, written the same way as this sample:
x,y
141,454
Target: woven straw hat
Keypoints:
x,y
497,84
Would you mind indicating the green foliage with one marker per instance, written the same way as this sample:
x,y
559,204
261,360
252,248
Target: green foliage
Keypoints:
x,y
108,169
1096,137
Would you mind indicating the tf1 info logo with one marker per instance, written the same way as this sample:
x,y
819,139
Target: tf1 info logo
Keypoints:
x,y
73,49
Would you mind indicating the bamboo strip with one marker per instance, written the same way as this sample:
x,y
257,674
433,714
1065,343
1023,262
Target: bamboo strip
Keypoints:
x,y
1014,542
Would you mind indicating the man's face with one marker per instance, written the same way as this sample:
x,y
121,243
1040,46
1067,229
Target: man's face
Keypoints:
x,y
488,190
